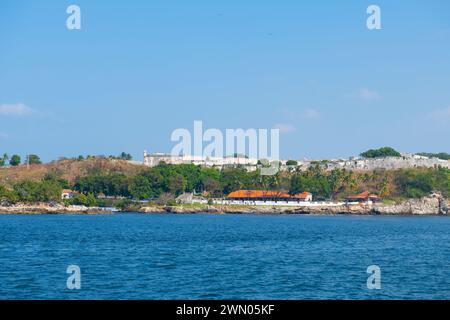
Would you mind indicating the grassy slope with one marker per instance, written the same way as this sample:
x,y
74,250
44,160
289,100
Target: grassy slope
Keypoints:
x,y
69,169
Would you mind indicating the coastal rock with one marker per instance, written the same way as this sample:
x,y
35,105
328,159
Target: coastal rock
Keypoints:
x,y
152,209
48,208
444,206
424,206
338,209
431,205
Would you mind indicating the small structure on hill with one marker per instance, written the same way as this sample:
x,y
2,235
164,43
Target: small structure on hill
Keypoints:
x,y
68,194
363,197
190,198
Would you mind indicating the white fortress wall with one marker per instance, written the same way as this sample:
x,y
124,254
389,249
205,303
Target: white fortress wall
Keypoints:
x,y
353,163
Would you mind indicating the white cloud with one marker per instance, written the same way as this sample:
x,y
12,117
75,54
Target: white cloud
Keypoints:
x,y
285,127
367,94
440,114
15,109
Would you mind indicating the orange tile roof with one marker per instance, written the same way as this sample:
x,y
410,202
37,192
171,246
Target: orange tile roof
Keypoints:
x,y
363,195
265,194
302,195
69,191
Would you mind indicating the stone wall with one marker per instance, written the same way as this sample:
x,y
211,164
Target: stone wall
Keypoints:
x,y
406,161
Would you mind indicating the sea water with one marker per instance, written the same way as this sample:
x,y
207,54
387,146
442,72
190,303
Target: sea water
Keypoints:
x,y
205,256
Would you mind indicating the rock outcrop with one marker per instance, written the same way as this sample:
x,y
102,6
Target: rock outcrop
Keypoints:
x,y
238,209
433,204
444,206
40,208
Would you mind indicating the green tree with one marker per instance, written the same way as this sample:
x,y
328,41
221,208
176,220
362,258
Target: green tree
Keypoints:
x,y
33,159
190,173
38,191
123,204
176,184
113,184
55,176
336,179
141,188
291,163
15,160
49,191
234,179
381,152
125,156
3,159
88,200
7,195
415,183
317,184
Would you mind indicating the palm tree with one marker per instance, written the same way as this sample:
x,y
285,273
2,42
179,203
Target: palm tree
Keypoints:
x,y
4,159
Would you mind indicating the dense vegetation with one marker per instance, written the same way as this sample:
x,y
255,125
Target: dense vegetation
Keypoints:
x,y
291,163
14,160
48,189
381,152
164,182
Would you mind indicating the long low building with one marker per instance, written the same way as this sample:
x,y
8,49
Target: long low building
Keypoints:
x,y
154,159
268,195
406,160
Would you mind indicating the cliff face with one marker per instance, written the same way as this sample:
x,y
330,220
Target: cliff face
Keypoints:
x,y
45,208
388,163
445,206
414,206
433,204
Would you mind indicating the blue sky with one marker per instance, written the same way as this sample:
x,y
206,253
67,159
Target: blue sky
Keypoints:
x,y
137,70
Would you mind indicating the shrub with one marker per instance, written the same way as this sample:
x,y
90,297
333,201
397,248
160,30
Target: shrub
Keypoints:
x,y
381,152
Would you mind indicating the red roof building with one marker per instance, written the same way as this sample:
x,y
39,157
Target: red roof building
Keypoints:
x,y
68,193
363,197
268,195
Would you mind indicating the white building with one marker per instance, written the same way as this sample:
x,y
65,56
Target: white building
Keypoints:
x,y
406,160
68,194
154,159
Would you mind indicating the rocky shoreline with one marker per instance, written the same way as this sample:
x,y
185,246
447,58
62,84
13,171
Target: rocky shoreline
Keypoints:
x,y
431,205
434,204
45,208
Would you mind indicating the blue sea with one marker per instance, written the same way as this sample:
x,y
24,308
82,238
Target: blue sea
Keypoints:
x,y
204,256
